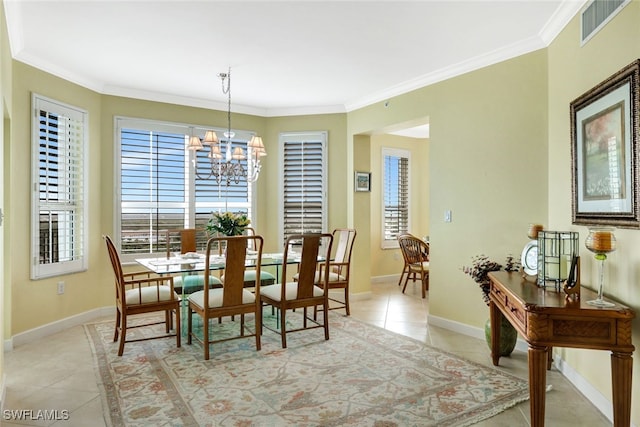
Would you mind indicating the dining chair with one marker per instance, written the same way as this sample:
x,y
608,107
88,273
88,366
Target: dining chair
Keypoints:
x,y
140,292
302,293
339,267
183,241
415,253
232,299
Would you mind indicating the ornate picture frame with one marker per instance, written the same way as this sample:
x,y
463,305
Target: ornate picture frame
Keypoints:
x,y
604,151
362,181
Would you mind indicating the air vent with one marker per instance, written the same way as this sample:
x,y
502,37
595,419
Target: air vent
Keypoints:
x,y
596,15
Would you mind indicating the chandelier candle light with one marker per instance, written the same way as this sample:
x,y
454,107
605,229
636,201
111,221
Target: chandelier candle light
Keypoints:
x,y
600,241
228,167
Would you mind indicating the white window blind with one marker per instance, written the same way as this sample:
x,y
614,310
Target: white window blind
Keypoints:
x,y
159,189
304,202
396,195
59,220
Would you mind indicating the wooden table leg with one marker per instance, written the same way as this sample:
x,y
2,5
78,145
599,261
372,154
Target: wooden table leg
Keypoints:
x,y
496,317
621,371
537,383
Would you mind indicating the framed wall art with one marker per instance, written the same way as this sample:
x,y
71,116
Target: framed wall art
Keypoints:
x,y
604,151
363,181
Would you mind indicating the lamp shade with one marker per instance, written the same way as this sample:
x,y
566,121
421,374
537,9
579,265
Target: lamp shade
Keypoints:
x,y
210,138
215,152
194,143
238,153
257,146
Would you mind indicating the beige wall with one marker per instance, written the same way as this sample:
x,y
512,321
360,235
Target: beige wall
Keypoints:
x,y
573,70
498,158
487,164
36,303
385,262
5,126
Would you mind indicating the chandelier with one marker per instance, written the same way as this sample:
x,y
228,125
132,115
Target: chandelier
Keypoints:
x,y
228,166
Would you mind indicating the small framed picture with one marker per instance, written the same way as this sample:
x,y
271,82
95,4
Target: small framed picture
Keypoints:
x,y
363,181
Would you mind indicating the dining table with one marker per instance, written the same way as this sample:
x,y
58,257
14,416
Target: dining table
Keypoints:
x,y
193,263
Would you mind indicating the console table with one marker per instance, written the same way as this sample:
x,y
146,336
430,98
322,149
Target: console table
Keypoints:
x,y
545,318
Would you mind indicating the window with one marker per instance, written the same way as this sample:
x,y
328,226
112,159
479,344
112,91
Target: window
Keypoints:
x,y
303,197
395,172
59,206
159,188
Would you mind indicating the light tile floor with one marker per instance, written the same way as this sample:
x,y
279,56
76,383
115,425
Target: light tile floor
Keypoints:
x,y
57,372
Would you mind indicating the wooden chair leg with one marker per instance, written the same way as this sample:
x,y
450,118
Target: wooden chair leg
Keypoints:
x,y
283,332
258,326
406,281
178,326
189,325
325,311
117,328
123,334
205,335
346,301
401,277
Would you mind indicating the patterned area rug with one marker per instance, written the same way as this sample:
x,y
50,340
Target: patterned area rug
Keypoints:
x,y
362,376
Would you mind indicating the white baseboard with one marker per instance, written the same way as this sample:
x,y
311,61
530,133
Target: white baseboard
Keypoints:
x,y
360,296
596,398
470,331
384,279
57,326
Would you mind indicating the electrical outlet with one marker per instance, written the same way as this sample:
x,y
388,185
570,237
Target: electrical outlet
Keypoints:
x,y
60,288
447,216
396,256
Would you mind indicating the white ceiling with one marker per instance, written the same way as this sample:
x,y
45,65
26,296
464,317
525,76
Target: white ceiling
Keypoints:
x,y
295,57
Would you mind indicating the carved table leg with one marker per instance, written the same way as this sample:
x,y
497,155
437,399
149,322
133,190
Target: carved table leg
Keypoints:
x,y
621,371
496,317
537,383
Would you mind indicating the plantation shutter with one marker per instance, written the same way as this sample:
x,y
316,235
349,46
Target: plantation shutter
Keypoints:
x,y
152,188
304,194
396,194
160,189
59,203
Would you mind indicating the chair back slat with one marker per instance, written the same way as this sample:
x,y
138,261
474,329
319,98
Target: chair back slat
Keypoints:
x,y
188,240
308,264
235,266
346,237
311,245
183,239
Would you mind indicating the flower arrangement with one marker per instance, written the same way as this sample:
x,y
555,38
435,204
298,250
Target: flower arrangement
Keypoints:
x,y
228,223
480,267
